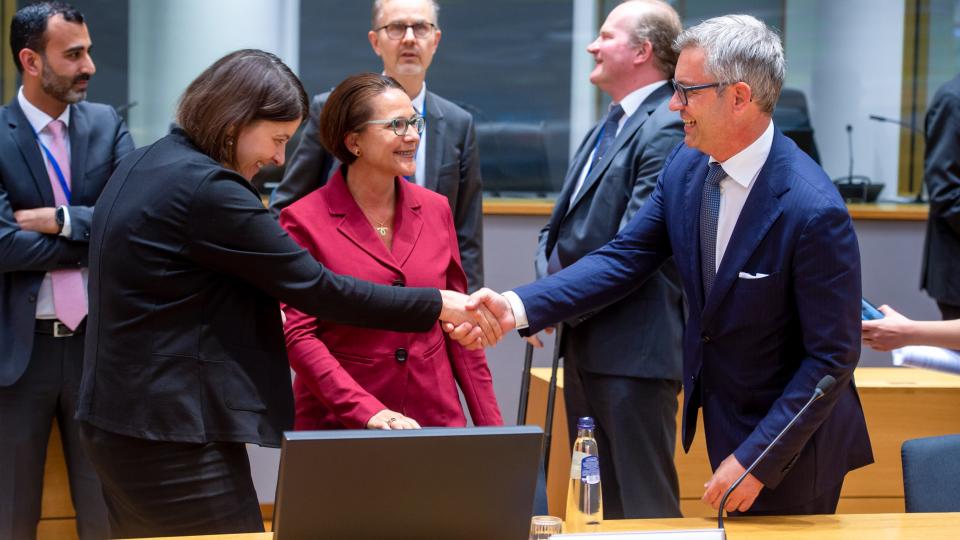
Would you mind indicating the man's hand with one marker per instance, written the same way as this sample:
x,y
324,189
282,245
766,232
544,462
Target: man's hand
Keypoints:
x,y
726,474
891,332
41,220
535,339
471,327
497,306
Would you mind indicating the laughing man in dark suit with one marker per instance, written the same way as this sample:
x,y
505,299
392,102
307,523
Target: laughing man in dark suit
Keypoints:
x,y
405,35
622,362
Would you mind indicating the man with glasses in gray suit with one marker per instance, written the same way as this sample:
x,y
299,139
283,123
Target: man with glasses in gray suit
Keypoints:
x,y
405,35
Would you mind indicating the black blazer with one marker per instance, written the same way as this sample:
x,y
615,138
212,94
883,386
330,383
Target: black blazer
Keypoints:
x,y
452,170
941,250
98,139
639,335
184,338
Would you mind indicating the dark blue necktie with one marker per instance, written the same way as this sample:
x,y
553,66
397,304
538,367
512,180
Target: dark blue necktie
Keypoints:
x,y
709,215
608,134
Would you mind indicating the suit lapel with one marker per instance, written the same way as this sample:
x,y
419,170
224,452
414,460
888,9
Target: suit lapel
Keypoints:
x,y
79,140
435,133
759,213
408,223
23,136
696,176
633,124
561,205
354,224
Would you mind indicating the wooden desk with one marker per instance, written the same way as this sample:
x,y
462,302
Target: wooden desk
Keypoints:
x,y
838,527
506,206
899,404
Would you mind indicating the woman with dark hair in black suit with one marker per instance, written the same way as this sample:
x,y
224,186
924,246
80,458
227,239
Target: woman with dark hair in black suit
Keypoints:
x,y
185,358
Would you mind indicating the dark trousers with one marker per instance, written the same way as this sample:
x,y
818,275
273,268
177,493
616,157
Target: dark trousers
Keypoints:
x,y
949,312
159,488
636,430
47,390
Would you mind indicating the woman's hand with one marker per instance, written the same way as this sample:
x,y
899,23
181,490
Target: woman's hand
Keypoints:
x,y
891,332
387,420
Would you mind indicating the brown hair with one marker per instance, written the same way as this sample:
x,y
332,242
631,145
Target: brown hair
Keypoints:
x,y
348,108
660,27
241,88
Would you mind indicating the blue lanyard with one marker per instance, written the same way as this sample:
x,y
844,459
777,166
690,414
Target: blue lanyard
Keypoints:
x,y
56,168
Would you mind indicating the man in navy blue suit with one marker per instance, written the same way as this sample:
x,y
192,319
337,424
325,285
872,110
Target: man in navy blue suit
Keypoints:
x,y
770,266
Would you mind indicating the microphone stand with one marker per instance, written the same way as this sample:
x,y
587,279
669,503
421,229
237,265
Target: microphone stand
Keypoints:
x,y
912,127
822,387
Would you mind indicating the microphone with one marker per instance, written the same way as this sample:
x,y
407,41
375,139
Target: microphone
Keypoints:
x,y
850,148
900,123
822,388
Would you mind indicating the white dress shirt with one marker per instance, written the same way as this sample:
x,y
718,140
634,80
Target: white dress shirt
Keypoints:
x,y
630,104
418,103
742,170
38,121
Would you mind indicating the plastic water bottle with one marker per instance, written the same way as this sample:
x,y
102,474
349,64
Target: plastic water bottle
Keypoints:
x,y
584,504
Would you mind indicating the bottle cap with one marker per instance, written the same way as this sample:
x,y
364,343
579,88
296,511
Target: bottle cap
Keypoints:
x,y
585,422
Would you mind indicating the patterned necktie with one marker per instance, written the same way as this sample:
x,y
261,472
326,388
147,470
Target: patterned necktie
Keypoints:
x,y
69,296
709,215
610,126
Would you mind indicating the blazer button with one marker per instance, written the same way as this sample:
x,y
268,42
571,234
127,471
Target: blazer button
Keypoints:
x,y
32,298
399,283
705,338
401,355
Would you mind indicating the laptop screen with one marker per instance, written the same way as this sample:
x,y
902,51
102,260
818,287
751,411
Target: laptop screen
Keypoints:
x,y
465,483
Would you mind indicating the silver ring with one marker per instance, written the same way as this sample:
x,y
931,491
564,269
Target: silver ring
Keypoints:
x,y
392,419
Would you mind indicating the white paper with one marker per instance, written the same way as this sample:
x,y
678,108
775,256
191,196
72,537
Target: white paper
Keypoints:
x,y
927,357
693,534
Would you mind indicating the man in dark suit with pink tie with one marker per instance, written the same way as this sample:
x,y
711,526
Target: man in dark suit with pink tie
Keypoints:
x,y
57,153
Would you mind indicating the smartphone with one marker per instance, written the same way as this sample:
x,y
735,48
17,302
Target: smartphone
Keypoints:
x,y
868,311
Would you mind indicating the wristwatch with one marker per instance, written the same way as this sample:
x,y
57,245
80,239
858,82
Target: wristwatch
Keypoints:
x,y
59,217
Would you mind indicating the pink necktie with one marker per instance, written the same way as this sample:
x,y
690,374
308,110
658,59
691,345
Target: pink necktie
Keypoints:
x,y
69,298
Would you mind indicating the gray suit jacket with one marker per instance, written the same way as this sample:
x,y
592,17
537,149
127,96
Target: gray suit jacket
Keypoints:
x,y
452,169
98,140
640,335
941,250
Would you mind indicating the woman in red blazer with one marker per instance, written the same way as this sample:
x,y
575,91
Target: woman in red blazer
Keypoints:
x,y
371,223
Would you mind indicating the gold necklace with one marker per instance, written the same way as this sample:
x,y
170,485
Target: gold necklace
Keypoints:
x,y
379,226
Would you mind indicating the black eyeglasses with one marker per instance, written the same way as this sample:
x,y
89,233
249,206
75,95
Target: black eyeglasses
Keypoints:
x,y
683,91
396,30
399,124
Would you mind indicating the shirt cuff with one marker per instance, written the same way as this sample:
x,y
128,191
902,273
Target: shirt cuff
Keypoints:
x,y
519,314
66,222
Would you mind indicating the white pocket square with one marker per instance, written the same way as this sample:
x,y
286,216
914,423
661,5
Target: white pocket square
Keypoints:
x,y
744,275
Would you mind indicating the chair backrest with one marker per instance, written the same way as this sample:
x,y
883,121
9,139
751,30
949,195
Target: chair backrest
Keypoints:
x,y
931,474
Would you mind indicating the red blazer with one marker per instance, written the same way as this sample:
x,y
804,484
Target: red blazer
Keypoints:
x,y
346,374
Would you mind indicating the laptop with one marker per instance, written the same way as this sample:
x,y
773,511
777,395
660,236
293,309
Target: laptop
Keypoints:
x,y
465,483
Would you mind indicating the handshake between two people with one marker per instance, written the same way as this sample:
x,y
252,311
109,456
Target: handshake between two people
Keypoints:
x,y
478,320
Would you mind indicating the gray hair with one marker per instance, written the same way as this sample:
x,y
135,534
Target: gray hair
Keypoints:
x,y
660,27
378,7
740,48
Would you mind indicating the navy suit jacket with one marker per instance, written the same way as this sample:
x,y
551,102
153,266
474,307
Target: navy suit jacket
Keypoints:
x,y
98,139
755,348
